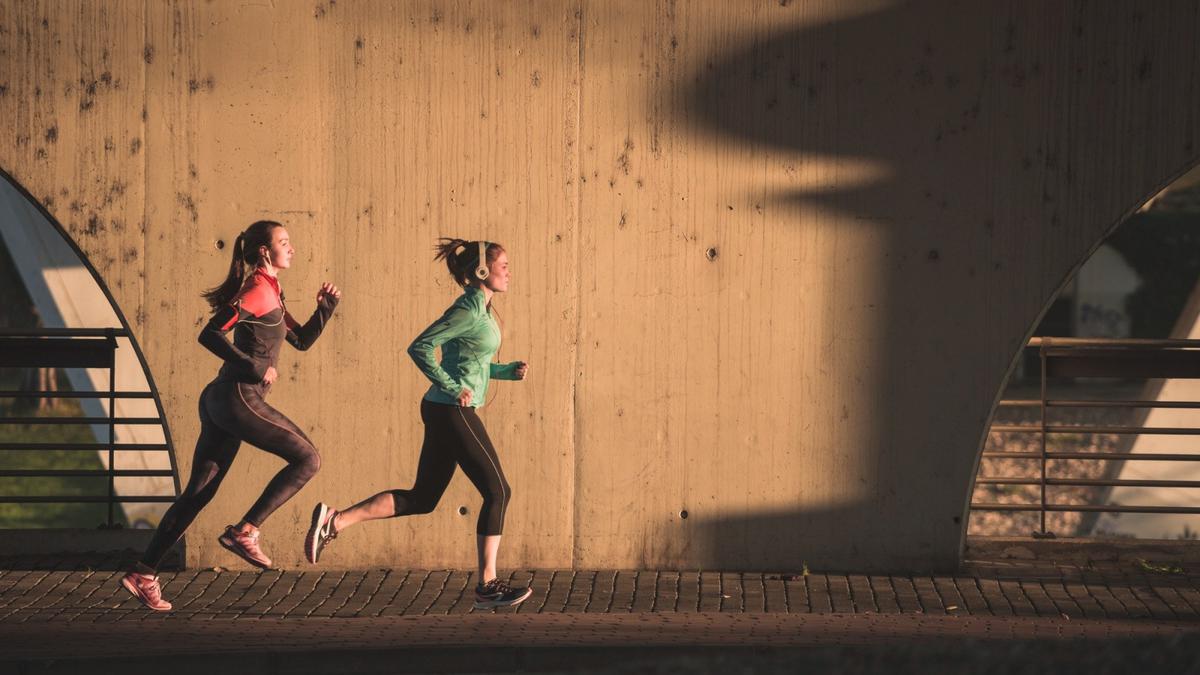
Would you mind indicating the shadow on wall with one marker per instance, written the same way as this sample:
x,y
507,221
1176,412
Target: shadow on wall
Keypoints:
x,y
940,119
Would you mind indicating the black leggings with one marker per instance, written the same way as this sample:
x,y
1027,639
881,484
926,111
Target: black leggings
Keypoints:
x,y
232,412
455,436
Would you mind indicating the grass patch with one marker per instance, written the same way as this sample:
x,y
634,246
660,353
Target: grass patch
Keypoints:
x,y
40,516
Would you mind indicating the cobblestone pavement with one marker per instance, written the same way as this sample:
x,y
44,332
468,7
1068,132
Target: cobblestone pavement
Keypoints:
x,y
49,613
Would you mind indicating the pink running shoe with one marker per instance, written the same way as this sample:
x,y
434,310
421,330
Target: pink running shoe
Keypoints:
x,y
245,546
145,588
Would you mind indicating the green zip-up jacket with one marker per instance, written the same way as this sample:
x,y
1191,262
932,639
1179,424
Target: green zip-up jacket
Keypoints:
x,y
469,338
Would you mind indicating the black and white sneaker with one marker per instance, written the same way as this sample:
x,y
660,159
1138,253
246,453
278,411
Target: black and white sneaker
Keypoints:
x,y
320,533
496,593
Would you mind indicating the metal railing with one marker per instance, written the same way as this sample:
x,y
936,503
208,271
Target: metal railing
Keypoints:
x,y
76,348
1098,358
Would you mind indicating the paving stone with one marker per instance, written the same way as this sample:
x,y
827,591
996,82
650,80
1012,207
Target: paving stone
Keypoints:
x,y
928,596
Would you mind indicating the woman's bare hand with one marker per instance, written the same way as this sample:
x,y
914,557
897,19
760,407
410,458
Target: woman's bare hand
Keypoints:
x,y
522,370
464,397
330,290
270,376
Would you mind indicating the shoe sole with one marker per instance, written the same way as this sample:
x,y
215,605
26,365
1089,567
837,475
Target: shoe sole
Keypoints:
x,y
320,511
134,592
492,604
237,550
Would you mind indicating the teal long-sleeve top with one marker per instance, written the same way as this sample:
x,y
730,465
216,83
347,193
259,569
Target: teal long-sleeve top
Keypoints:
x,y
469,338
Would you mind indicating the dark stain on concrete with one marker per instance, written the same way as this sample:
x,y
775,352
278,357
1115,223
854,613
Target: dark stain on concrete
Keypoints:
x,y
148,54
40,153
4,89
94,226
436,17
206,84
135,145
535,78
469,26
52,134
129,255
48,201
535,31
115,191
623,162
185,200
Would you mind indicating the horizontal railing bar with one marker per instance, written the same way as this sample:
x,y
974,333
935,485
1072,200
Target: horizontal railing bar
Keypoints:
x,y
80,420
82,446
63,332
1099,456
1142,343
1081,508
1084,403
1116,429
1096,403
47,473
1096,429
75,394
1087,482
84,500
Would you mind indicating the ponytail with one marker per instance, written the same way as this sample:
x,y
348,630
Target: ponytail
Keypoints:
x,y
462,257
245,252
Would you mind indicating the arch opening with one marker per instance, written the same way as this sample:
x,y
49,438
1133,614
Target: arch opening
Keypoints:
x,y
1117,439
84,443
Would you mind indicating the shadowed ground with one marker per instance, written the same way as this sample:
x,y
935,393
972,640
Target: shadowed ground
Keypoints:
x,y
1033,606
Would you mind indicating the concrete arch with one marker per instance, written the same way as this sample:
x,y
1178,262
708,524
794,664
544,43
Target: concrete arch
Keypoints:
x,y
1106,234
54,270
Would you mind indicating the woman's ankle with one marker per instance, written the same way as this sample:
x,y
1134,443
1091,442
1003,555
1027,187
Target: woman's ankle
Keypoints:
x,y
245,527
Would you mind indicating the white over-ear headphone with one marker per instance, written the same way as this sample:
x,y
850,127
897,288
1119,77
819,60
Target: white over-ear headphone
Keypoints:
x,y
481,270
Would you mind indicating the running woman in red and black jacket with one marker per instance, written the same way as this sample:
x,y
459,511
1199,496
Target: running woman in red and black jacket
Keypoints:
x,y
233,407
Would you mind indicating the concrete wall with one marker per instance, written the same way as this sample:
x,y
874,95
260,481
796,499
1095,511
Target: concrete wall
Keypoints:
x,y
771,260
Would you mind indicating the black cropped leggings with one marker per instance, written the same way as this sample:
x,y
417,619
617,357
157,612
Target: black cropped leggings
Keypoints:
x,y
232,412
454,436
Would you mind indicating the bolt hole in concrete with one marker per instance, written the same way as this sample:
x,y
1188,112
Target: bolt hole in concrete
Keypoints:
x,y
711,254
462,511
220,244
683,514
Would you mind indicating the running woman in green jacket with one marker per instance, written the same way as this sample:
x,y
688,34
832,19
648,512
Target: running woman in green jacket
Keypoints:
x,y
469,337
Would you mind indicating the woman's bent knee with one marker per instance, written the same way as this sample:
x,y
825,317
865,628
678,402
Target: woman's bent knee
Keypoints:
x,y
309,465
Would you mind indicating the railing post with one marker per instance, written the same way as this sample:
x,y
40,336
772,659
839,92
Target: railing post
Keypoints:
x,y
112,428
1041,532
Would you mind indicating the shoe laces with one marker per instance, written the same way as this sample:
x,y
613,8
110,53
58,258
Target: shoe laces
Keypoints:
x,y
250,538
148,583
497,586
